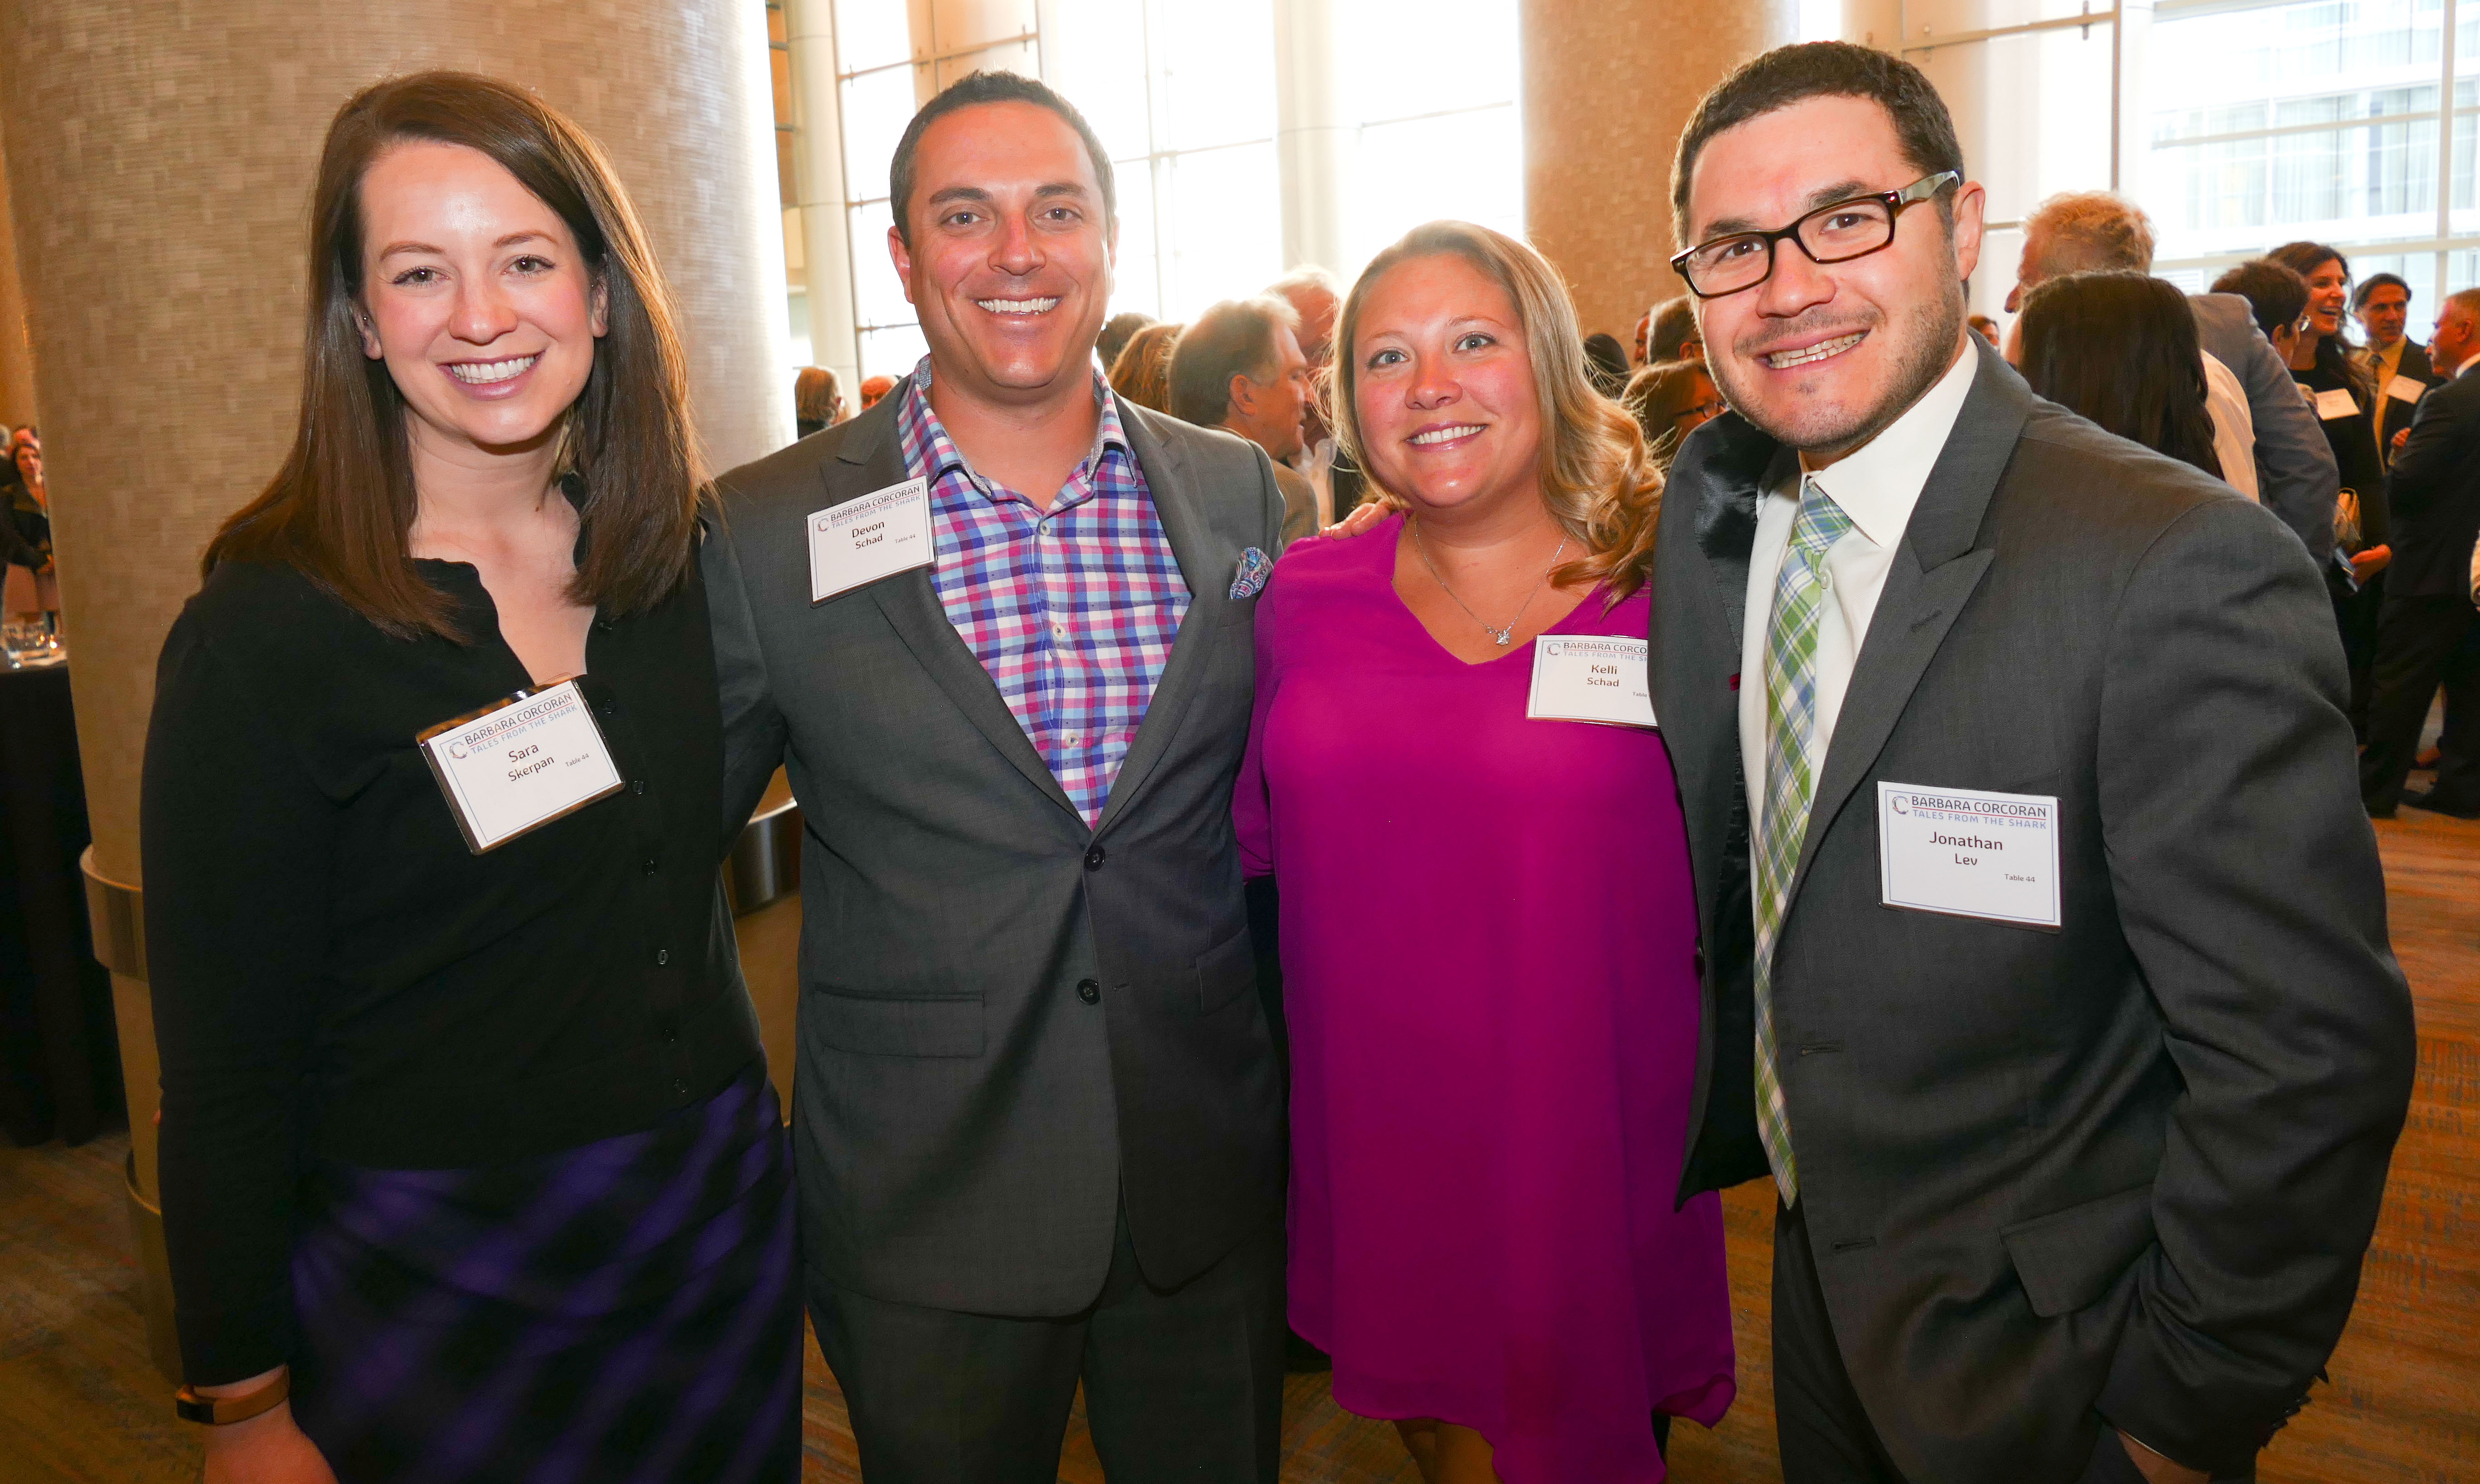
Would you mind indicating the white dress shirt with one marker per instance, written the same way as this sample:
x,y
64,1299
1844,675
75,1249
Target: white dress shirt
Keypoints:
x,y
2233,425
1877,486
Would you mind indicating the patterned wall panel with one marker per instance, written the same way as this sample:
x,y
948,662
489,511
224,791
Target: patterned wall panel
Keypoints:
x,y
161,160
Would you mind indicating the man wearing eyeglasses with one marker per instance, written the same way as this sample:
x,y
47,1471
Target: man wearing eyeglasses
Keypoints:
x,y
2043,947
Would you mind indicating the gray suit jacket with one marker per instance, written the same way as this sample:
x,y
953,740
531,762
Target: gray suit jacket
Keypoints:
x,y
2296,476
1009,1023
2126,1168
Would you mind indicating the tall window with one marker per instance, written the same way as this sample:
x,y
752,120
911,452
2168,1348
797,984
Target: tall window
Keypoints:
x,y
2238,126
1438,131
2318,121
1184,97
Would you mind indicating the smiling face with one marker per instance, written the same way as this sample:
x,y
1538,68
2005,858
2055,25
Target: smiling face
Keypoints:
x,y
1443,387
1824,357
2385,314
2329,290
476,297
1010,261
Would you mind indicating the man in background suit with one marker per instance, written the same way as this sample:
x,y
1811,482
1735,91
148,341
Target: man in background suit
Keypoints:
x,y
1039,1129
2424,629
2296,477
2044,945
1238,366
2398,367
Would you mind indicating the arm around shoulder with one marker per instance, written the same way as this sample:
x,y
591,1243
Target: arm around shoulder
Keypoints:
x,y
2250,892
754,731
236,853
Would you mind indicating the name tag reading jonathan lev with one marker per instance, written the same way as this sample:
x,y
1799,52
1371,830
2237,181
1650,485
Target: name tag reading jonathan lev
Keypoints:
x,y
878,535
1968,854
516,766
1595,678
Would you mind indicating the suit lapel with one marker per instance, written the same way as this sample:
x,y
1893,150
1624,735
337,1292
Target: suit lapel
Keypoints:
x,y
872,460
1932,577
1180,507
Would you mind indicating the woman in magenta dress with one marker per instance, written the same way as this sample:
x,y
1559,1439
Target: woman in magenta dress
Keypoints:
x,y
1488,938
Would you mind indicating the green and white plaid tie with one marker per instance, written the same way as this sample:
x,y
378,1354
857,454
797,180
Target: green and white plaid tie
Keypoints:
x,y
1791,780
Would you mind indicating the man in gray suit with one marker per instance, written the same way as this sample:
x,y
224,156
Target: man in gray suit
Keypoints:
x,y
2297,479
998,629
2043,947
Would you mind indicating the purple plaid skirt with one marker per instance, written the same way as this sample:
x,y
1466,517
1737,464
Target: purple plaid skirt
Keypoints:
x,y
622,1311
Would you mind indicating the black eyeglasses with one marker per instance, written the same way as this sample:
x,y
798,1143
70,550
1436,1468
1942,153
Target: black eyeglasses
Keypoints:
x,y
1837,233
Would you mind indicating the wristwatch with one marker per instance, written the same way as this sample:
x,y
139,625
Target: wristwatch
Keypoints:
x,y
223,1411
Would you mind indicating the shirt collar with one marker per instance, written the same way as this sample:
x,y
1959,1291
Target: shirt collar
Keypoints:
x,y
940,452
1879,485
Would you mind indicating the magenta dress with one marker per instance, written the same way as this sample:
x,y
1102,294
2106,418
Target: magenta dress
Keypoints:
x,y
1488,944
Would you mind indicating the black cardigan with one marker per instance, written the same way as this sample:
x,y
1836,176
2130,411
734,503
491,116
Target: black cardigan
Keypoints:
x,y
336,976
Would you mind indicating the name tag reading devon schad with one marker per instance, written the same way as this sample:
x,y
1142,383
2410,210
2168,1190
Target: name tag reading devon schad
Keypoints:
x,y
1595,680
519,765
1968,854
882,533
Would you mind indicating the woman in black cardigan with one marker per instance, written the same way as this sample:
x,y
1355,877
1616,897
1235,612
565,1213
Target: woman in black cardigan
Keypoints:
x,y
470,1165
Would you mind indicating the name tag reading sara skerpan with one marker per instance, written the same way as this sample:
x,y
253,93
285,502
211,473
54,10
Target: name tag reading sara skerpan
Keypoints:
x,y
1590,679
516,766
1968,854
880,534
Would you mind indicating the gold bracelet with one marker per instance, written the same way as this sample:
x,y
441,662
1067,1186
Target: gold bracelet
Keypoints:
x,y
223,1411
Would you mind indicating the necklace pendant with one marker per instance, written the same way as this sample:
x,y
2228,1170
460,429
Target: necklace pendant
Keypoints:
x,y
1504,636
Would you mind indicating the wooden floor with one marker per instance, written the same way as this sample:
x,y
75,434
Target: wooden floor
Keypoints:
x,y
79,1402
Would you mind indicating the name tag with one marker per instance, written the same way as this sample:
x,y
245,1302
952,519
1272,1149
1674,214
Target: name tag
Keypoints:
x,y
1968,854
2333,405
2403,388
861,541
516,766
1590,679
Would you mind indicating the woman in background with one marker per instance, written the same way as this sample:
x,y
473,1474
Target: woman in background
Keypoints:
x,y
33,586
817,402
2120,349
1670,402
1142,371
1490,1076
470,1165
2343,395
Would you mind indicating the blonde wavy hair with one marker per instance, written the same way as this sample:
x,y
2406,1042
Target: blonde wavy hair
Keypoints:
x,y
1600,483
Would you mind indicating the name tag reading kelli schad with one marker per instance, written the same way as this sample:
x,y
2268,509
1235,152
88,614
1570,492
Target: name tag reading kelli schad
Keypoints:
x,y
880,534
516,766
1595,678
1968,854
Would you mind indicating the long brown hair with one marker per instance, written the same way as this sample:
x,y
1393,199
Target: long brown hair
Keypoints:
x,y
2119,347
1600,484
339,508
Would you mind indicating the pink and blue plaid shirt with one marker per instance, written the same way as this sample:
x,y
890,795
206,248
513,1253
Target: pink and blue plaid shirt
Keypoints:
x,y
1073,611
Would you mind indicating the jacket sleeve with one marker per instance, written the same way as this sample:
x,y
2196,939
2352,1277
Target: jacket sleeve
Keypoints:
x,y
2249,891
753,723
2436,453
2296,475
236,838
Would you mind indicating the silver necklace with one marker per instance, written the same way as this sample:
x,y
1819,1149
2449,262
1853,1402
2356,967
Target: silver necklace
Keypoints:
x,y
1502,634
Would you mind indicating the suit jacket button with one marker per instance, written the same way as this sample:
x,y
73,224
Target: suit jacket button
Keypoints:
x,y
1094,859
1088,991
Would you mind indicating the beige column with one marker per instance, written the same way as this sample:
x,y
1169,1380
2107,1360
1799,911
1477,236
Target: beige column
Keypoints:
x,y
1314,138
16,361
161,160
1607,88
819,183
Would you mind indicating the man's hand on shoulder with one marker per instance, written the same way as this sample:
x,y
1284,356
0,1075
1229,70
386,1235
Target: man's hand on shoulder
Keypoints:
x,y
1363,516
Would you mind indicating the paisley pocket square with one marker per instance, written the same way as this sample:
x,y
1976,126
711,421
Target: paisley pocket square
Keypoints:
x,y
1255,567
